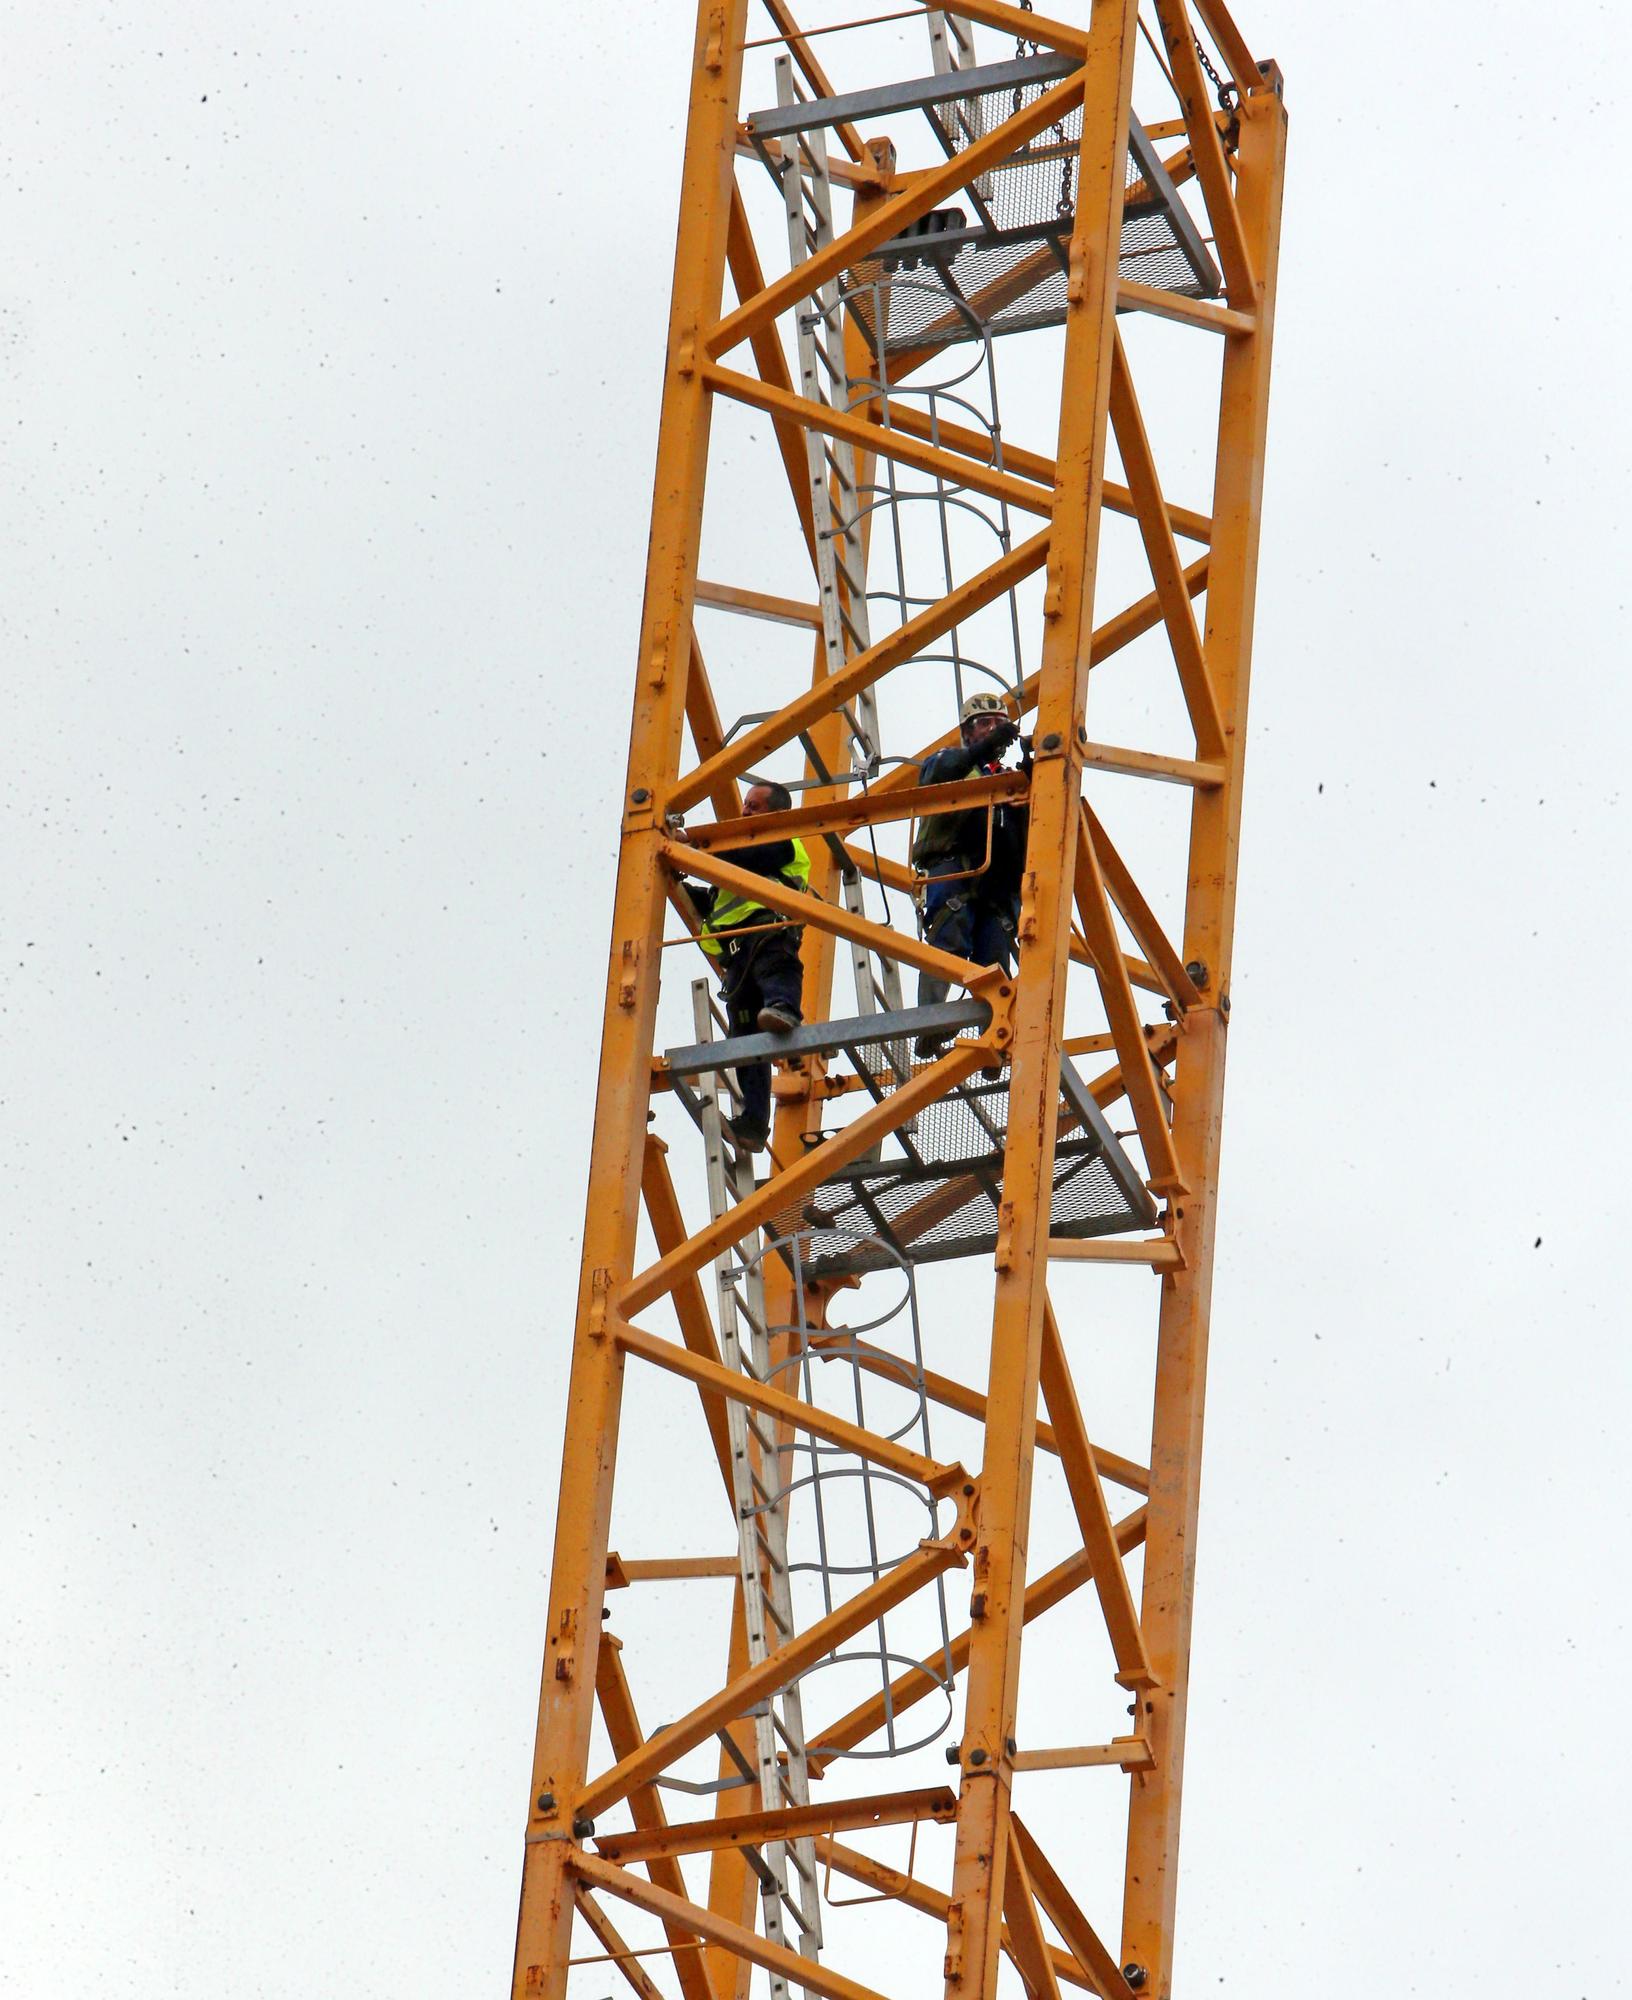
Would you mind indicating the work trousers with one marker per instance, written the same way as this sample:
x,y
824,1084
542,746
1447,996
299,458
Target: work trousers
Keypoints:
x,y
974,918
760,970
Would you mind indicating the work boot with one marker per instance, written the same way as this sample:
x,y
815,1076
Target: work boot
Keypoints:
x,y
746,1134
777,1019
931,992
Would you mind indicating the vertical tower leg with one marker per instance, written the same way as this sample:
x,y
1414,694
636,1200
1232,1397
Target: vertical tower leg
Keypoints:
x,y
1198,1092
998,1586
578,1571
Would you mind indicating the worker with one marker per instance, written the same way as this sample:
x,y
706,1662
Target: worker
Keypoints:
x,y
972,860
756,953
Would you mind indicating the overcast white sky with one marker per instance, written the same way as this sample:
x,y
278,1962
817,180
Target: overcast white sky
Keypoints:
x,y
331,344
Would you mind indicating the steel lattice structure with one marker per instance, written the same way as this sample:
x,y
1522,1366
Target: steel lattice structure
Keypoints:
x,y
1054,225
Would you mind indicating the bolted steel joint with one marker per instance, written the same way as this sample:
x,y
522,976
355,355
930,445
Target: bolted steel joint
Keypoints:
x,y
1135,1974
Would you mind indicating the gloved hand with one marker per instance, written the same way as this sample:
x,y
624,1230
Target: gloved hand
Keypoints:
x,y
1001,737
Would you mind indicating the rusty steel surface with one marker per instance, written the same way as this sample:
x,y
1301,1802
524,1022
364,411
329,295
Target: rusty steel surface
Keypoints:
x,y
1118,950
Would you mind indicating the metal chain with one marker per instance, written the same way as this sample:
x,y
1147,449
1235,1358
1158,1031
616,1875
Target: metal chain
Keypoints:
x,y
1063,206
1225,90
1020,47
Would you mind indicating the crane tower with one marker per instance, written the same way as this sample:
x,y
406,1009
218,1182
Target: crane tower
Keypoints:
x,y
865,1422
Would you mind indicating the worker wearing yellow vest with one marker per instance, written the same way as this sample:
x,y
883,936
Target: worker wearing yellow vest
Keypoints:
x,y
756,953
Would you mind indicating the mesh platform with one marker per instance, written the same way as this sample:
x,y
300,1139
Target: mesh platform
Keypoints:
x,y
999,262
940,1198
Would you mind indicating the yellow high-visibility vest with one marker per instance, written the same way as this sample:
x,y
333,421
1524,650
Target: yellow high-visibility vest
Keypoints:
x,y
730,909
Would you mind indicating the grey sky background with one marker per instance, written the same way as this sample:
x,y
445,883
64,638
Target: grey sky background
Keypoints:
x,y
331,343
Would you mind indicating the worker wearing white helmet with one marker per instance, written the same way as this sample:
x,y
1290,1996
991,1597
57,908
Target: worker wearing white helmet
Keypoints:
x,y
972,860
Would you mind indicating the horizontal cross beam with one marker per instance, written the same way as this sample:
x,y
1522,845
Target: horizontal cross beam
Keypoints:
x,y
951,1017
887,442
755,1829
869,808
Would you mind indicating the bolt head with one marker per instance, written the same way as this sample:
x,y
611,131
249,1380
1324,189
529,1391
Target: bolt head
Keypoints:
x,y
1052,740
640,795
1135,1974
546,1802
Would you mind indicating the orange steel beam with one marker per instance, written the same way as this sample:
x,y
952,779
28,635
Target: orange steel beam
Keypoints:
x,y
1137,914
645,1807
1051,1588
755,1829
1151,764
1121,1010
870,808
624,1570
707,731
811,69
887,442
1217,20
760,604
812,910
1028,1947
617,1951
861,176
1240,283
1026,26
1151,1888
690,1307
771,362
730,1382
1092,1511
594,1391
992,1683
1082,1940
1000,1888
1167,572
730,1881
893,1885
1188,312
808,1973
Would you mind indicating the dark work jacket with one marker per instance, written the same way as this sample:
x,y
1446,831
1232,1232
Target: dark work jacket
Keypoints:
x,y
958,839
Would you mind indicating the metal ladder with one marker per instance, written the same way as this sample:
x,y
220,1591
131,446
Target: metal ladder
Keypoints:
x,y
789,1885
837,502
